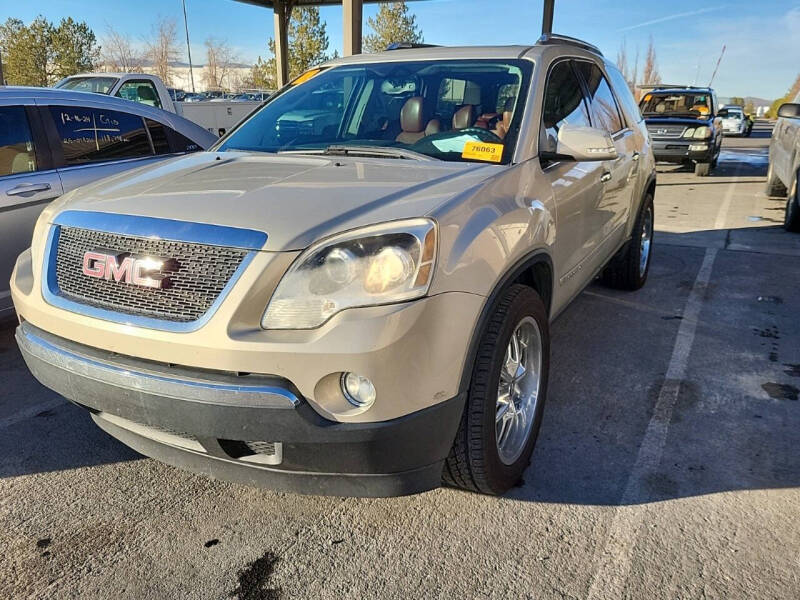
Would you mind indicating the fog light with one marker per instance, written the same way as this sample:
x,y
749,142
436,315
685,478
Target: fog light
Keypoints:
x,y
358,390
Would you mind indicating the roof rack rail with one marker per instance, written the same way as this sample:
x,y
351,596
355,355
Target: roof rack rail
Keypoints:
x,y
407,45
662,86
550,39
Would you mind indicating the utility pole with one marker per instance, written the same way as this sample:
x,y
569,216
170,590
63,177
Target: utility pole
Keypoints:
x,y
2,79
188,47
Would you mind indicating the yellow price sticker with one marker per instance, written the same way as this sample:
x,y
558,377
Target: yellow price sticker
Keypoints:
x,y
305,77
483,151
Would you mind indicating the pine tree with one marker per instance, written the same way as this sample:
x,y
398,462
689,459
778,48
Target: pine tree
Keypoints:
x,y
393,23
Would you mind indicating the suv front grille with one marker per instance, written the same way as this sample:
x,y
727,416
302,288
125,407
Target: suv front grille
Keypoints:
x,y
666,131
197,272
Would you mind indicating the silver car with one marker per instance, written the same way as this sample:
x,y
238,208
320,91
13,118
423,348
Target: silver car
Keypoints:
x,y
52,141
356,308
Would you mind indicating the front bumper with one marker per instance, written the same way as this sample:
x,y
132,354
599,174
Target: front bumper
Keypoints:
x,y
257,430
679,150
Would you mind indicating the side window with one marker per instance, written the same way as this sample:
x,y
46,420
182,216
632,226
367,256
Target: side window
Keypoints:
x,y
159,136
625,95
563,105
91,134
140,91
16,142
167,140
605,114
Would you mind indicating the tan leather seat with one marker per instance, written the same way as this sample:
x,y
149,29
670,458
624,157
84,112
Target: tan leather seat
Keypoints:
x,y
464,117
412,121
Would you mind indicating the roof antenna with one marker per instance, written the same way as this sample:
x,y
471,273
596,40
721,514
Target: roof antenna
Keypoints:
x,y
719,60
547,16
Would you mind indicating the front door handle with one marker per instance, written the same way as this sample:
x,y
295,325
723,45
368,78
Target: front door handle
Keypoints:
x,y
25,188
605,177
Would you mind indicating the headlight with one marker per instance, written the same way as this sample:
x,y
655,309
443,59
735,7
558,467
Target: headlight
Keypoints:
x,y
702,133
379,264
689,132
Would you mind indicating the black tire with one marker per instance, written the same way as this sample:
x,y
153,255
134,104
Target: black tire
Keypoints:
x,y
791,221
623,271
702,169
774,188
474,463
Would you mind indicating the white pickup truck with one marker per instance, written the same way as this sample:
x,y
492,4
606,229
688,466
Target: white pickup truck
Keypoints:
x,y
216,116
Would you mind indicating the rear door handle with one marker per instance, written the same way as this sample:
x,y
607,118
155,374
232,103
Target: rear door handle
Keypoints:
x,y
24,188
605,177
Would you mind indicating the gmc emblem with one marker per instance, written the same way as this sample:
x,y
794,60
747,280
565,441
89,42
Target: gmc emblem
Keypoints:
x,y
123,267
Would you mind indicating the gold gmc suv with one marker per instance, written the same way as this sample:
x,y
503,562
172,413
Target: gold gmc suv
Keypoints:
x,y
351,292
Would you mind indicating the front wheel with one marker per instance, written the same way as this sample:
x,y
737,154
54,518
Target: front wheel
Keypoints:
x,y
506,397
629,268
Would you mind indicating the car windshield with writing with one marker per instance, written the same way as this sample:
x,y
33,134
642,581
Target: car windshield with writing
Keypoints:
x,y
683,104
462,110
98,85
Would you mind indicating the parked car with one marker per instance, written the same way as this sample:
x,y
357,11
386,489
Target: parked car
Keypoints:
x,y
735,121
149,90
784,162
363,309
53,141
176,94
684,125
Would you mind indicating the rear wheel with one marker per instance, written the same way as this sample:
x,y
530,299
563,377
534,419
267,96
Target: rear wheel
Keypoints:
x,y
506,397
629,268
775,188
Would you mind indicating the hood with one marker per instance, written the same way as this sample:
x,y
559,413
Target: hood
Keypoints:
x,y
294,199
687,121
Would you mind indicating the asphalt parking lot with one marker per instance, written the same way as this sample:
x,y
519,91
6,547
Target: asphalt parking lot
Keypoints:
x,y
667,465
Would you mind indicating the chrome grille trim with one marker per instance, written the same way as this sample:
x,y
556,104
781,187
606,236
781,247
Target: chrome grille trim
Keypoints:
x,y
234,243
666,131
201,273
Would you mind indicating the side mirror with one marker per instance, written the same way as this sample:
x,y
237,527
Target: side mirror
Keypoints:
x,y
789,110
584,144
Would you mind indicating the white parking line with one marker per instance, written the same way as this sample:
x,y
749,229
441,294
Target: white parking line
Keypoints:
x,y
610,577
29,412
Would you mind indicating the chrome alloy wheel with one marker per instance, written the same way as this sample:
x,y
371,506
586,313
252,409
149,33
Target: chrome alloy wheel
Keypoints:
x,y
646,241
518,391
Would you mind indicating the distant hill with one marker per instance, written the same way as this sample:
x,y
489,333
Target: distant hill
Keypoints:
x,y
753,99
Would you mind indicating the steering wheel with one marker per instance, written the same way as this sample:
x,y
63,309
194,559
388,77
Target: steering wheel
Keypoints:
x,y
484,135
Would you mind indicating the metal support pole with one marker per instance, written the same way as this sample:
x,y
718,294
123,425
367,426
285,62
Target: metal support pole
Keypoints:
x,y
352,16
2,79
282,15
547,16
188,47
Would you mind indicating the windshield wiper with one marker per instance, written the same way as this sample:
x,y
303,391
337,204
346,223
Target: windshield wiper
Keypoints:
x,y
379,152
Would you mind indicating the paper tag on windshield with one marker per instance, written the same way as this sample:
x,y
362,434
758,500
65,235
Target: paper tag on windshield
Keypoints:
x,y
305,77
483,151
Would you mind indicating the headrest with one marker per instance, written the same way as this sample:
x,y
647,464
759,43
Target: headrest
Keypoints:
x,y
411,118
145,92
464,117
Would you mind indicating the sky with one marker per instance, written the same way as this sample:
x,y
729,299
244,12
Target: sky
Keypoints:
x,y
762,37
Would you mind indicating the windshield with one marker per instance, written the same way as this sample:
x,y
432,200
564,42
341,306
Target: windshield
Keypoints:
x,y
98,85
730,113
687,104
450,110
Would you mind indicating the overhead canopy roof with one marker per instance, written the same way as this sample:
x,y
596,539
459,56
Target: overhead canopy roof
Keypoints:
x,y
271,3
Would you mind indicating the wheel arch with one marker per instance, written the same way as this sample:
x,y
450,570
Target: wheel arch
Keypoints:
x,y
534,270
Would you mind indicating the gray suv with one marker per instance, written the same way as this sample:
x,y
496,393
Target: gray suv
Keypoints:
x,y
356,308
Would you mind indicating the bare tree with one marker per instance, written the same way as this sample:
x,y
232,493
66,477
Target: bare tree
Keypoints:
x,y
119,53
650,74
220,63
622,61
162,48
